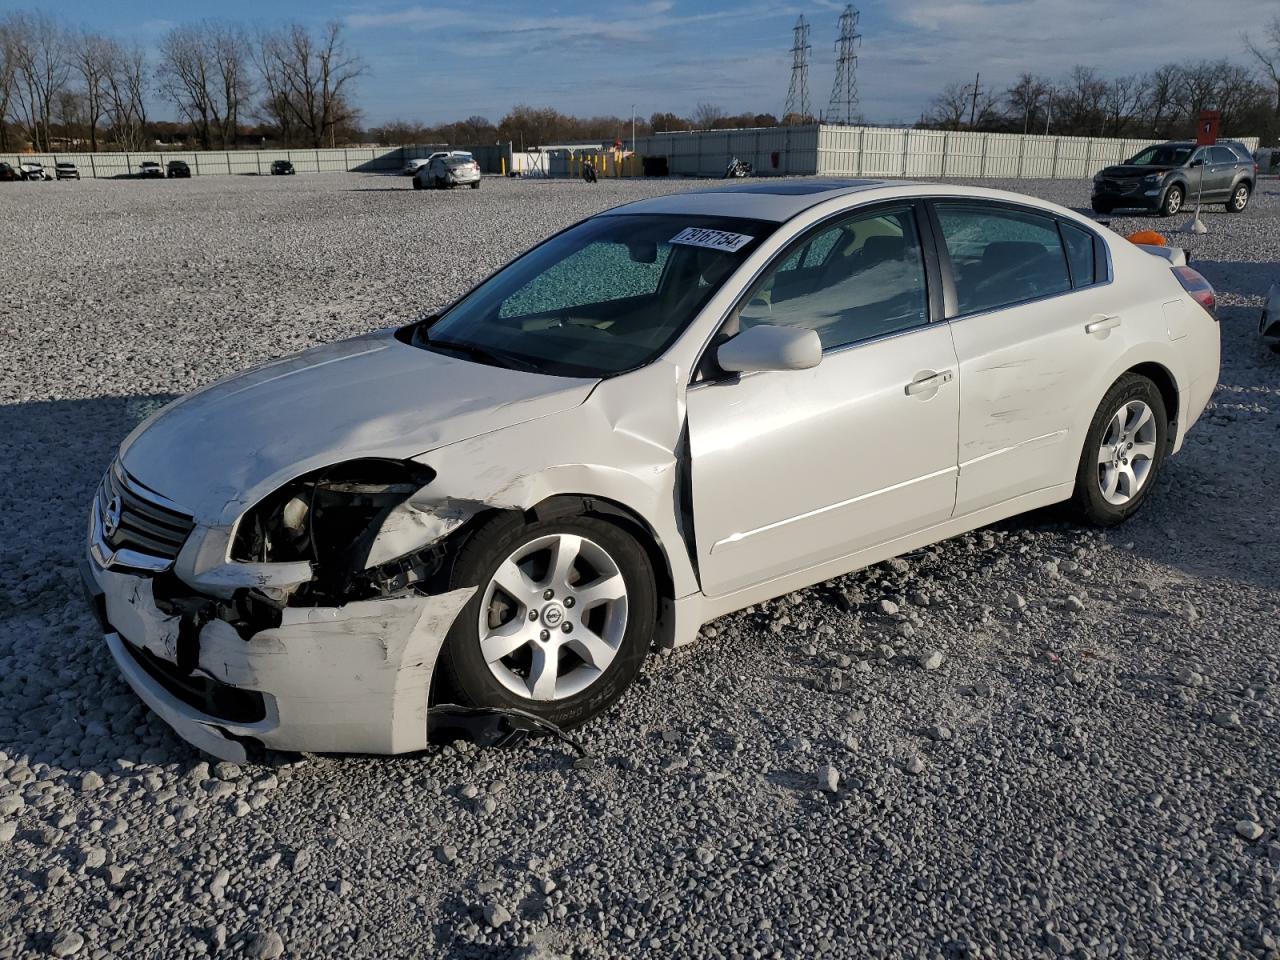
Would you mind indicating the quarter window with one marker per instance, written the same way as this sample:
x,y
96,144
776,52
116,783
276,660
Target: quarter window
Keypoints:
x,y
1001,257
1079,244
861,278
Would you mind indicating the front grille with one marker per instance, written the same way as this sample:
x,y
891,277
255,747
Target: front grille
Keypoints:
x,y
147,522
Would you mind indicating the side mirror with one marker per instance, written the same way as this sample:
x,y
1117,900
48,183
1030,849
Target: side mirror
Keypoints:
x,y
766,347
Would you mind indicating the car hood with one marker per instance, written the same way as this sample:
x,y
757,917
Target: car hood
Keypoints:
x,y
1128,171
226,446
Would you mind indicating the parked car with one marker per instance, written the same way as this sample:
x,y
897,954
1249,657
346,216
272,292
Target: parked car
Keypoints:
x,y
446,170
1167,176
33,170
672,410
417,163
8,174
149,169
178,169
282,168
65,170
1269,322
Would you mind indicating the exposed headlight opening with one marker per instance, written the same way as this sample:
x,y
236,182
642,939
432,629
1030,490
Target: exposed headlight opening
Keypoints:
x,y
330,519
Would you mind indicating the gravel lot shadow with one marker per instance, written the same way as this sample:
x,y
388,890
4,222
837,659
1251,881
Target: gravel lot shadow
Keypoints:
x,y
52,456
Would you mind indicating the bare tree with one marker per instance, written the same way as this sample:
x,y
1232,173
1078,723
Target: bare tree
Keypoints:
x,y
1026,99
950,107
230,45
38,47
1267,54
8,81
1160,107
126,89
706,116
187,79
312,74
91,59
1121,101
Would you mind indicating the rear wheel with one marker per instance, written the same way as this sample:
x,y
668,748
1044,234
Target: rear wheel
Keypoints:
x,y
476,185
1239,198
1172,202
1123,452
560,622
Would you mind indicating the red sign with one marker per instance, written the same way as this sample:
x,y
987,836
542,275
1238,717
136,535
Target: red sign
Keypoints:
x,y
1207,132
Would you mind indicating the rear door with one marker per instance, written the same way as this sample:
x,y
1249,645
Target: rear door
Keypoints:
x,y
1220,172
1033,322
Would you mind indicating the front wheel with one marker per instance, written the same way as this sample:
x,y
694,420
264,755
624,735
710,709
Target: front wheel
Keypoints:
x,y
476,185
1123,452
560,622
1101,206
1239,198
1172,202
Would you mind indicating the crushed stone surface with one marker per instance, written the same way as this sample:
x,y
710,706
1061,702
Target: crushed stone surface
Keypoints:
x,y
1089,770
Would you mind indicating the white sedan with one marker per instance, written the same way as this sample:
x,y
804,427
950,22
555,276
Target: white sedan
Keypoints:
x,y
665,413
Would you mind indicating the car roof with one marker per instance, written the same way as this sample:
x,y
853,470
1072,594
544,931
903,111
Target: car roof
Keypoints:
x,y
766,199
780,199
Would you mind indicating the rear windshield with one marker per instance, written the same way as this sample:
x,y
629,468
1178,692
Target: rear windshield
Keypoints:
x,y
603,297
458,161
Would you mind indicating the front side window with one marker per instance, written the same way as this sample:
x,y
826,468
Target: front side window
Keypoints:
x,y
1163,155
860,278
1001,256
606,296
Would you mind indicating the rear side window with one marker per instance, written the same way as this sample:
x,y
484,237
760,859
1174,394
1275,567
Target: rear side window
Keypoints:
x,y
1222,155
1079,244
1000,256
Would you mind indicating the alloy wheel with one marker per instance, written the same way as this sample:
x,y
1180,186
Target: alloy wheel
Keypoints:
x,y
1127,452
553,617
1240,197
1174,203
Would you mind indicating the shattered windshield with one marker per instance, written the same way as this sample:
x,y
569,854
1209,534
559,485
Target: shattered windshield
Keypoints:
x,y
1165,155
603,297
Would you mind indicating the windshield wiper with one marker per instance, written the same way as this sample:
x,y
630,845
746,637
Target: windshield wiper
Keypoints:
x,y
483,354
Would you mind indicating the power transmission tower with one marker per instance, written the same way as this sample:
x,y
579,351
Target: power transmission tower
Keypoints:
x,y
844,92
798,93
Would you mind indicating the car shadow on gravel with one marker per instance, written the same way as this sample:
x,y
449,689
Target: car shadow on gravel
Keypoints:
x,y
61,701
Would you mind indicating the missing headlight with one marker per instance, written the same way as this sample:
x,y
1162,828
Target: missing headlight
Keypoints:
x,y
330,519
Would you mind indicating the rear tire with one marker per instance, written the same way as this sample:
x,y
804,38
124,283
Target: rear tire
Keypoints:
x,y
480,666
476,185
1173,200
1124,449
1240,194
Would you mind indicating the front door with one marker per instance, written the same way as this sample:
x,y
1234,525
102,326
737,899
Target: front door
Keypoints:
x,y
794,468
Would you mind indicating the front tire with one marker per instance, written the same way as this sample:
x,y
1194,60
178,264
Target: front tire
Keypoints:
x,y
1173,200
1239,198
560,622
1124,450
1101,206
476,185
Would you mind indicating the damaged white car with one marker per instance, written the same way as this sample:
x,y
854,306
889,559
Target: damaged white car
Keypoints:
x,y
664,413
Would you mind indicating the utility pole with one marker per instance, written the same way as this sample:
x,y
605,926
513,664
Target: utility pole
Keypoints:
x,y
842,107
633,128
973,105
798,92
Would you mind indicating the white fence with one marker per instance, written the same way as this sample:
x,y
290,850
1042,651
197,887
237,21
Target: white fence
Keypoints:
x,y
231,162
886,152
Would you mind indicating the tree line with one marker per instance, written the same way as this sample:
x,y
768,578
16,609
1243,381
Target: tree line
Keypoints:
x,y
291,84
1160,104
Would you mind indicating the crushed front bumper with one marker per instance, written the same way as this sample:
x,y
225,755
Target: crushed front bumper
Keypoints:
x,y
350,679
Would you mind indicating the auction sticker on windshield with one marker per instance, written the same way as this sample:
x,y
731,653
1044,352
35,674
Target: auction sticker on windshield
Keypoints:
x,y
712,239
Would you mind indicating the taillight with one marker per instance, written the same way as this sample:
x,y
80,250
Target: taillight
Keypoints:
x,y
1199,288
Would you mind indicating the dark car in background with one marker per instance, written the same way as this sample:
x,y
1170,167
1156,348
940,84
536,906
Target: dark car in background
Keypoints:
x,y
282,168
7,173
65,170
1166,176
178,168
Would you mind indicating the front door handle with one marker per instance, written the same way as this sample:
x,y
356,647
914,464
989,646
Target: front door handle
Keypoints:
x,y
928,382
1102,326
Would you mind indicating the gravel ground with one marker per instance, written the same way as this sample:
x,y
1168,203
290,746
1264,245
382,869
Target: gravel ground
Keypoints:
x,y
1034,740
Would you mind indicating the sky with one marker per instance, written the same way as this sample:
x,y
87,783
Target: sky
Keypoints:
x,y
438,61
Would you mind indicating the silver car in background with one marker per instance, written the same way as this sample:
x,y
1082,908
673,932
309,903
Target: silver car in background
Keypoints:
x,y
456,169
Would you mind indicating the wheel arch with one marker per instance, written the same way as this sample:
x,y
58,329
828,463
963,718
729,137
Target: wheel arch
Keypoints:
x,y
1166,383
630,520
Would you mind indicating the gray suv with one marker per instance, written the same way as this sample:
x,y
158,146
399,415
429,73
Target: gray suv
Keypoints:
x,y
1167,176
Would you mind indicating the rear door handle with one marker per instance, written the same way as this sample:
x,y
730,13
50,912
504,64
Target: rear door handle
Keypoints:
x,y
928,382
1101,326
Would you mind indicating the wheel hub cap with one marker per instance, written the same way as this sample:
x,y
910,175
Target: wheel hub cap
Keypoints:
x,y
1127,452
553,617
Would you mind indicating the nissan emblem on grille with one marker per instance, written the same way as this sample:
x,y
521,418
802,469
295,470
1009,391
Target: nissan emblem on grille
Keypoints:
x,y
111,517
